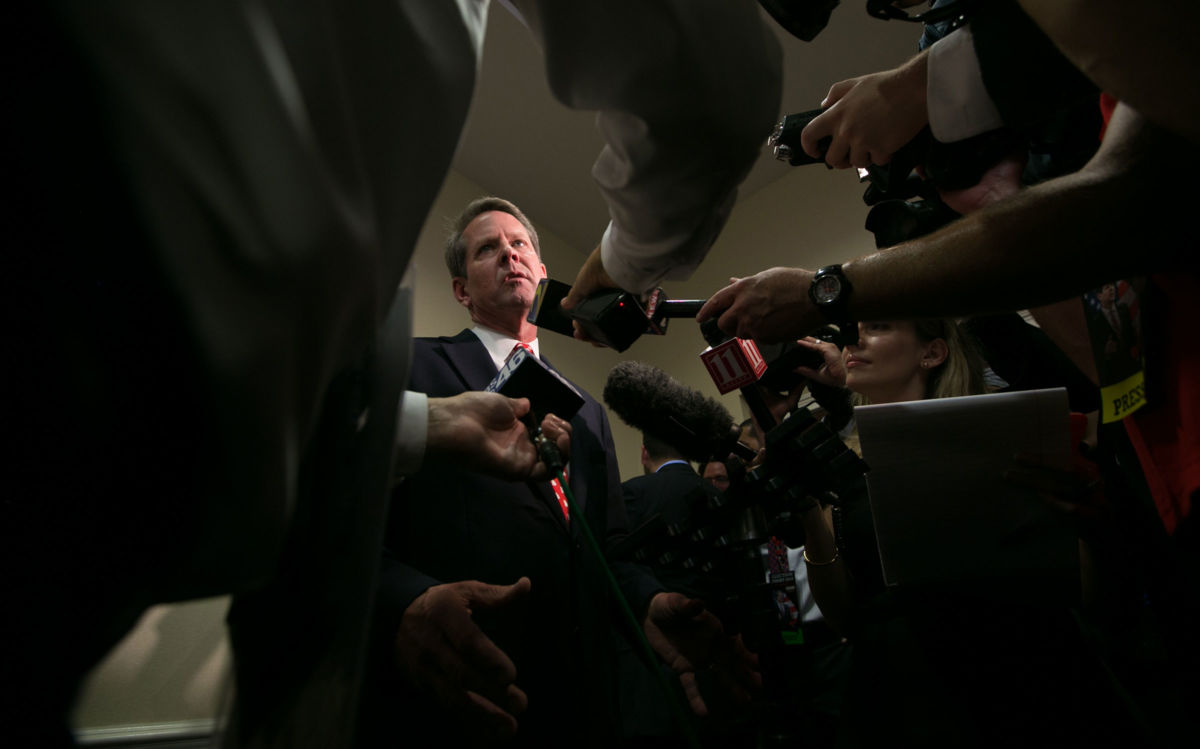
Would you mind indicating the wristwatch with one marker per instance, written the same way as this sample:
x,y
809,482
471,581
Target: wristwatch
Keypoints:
x,y
829,291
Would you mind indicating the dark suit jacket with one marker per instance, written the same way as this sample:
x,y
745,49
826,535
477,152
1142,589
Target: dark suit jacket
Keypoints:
x,y
449,525
669,493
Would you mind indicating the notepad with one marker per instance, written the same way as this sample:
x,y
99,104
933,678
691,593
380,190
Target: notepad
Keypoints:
x,y
943,513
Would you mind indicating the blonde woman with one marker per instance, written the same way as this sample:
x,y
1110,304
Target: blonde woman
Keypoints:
x,y
946,667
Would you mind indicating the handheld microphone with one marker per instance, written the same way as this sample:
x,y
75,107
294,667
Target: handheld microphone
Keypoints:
x,y
735,363
612,317
526,376
650,400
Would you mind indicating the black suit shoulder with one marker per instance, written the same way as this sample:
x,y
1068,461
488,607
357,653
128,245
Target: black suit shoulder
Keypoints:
x,y
449,365
669,492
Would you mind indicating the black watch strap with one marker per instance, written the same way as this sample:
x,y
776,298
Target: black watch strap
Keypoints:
x,y
830,292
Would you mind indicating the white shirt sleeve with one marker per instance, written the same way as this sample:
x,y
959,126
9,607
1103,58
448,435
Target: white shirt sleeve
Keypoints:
x,y
411,433
958,102
686,93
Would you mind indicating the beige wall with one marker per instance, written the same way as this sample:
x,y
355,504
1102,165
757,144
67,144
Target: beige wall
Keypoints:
x,y
171,668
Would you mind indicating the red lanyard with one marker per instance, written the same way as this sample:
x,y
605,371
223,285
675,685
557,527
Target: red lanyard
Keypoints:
x,y
562,497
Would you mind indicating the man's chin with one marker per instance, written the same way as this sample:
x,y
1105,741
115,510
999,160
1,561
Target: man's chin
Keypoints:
x,y
519,295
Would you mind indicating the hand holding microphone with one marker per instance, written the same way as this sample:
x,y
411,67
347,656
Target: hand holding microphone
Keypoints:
x,y
488,432
552,402
592,279
610,317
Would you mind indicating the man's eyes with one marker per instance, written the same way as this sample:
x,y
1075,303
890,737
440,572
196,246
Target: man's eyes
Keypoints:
x,y
488,247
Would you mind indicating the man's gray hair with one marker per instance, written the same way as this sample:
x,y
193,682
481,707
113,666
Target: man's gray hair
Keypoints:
x,y
456,248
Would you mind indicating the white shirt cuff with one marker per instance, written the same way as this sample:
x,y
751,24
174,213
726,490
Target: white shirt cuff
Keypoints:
x,y
639,266
957,99
411,433
624,273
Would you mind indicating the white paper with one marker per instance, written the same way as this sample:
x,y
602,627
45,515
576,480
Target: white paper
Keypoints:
x,y
942,511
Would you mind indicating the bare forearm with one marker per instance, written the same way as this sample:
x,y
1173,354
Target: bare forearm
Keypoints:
x,y
1123,214
1111,219
827,575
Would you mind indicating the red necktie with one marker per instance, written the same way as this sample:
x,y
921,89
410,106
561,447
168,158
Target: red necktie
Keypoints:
x,y
557,487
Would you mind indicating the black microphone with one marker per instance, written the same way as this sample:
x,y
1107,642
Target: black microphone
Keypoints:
x,y
526,376
650,400
612,317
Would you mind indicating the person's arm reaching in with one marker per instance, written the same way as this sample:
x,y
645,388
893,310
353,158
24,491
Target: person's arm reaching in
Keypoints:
x,y
686,93
1042,245
478,431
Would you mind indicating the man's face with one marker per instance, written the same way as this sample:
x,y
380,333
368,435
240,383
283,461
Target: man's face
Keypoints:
x,y
716,475
503,270
1108,295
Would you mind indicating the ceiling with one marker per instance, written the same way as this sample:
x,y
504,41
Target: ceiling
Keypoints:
x,y
521,144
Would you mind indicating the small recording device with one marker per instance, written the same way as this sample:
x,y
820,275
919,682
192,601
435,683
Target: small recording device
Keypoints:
x,y
783,359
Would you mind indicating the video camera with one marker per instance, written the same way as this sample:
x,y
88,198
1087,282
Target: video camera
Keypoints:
x,y
903,193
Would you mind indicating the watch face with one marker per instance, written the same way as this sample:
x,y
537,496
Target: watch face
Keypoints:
x,y
827,290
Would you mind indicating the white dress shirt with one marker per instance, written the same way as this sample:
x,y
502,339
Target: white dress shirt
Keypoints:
x,y
958,102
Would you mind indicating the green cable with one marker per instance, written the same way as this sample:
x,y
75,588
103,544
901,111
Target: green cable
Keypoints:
x,y
677,709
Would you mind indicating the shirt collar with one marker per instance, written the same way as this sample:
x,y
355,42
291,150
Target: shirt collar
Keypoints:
x,y
499,345
671,462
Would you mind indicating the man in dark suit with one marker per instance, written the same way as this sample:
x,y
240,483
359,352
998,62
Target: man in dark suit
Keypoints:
x,y
493,618
1114,337
207,403
668,488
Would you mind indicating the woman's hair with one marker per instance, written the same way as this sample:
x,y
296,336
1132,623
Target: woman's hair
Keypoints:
x,y
961,373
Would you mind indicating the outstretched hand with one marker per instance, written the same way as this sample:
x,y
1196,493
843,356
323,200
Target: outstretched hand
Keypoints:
x,y
689,637
770,306
442,651
484,432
